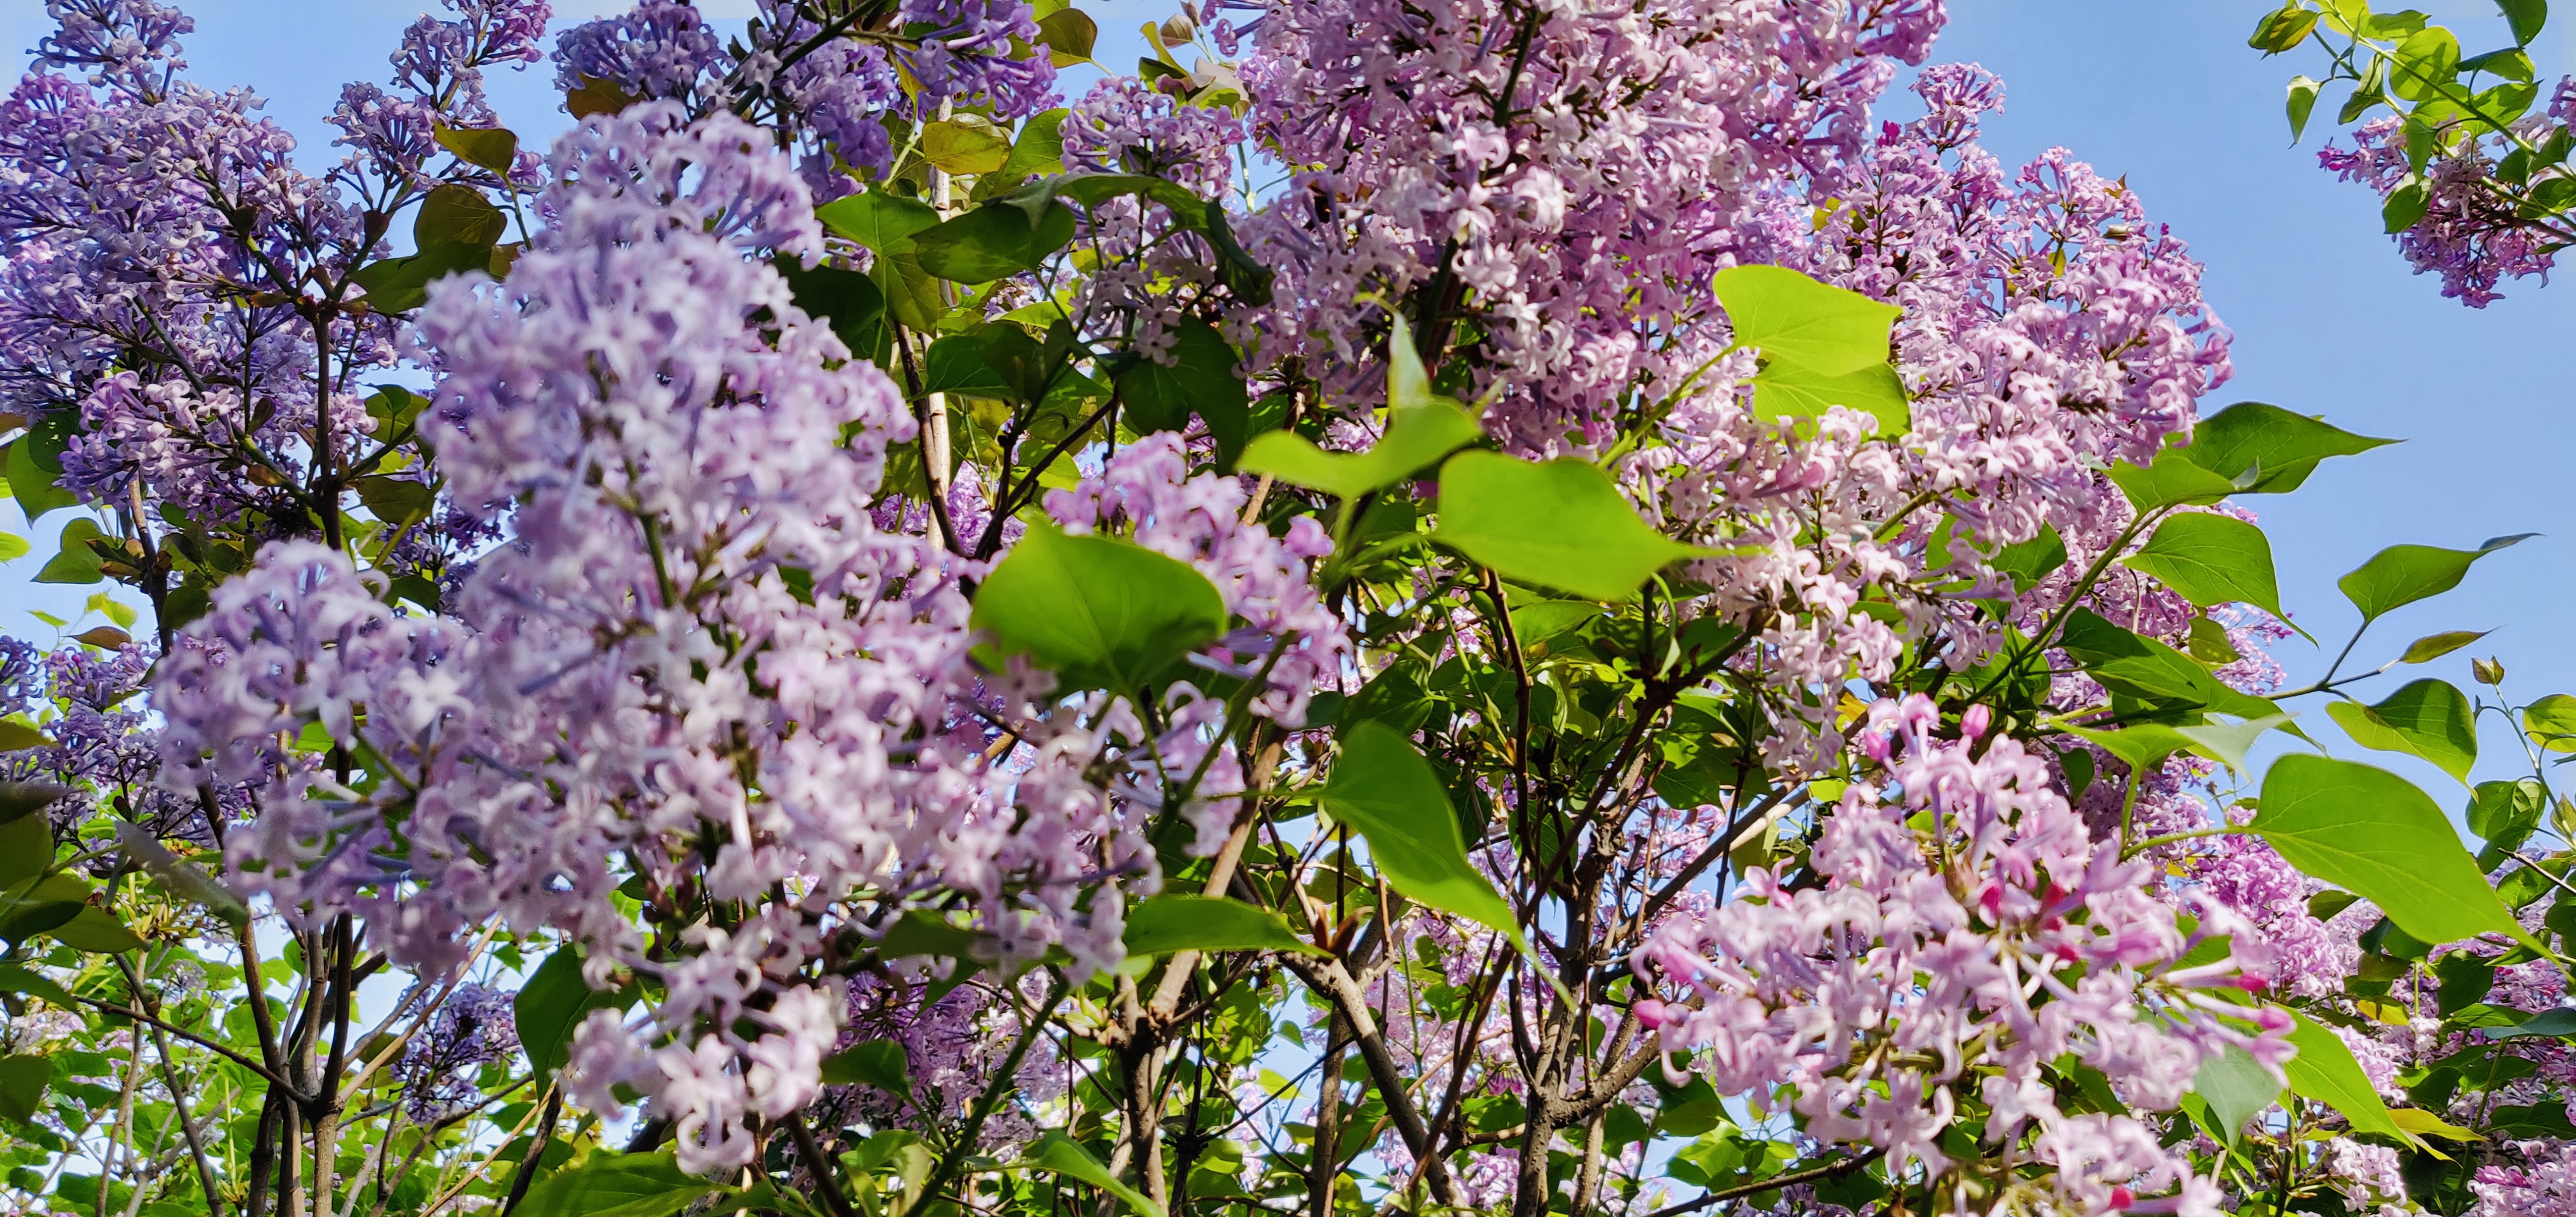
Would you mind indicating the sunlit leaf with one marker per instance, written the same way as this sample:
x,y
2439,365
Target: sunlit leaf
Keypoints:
x,y
1560,524
1383,788
2372,833
1101,612
2428,718
1173,922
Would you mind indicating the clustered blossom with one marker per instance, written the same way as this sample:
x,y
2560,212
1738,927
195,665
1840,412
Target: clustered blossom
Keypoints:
x,y
1935,965
2469,234
474,1026
692,584
2544,1185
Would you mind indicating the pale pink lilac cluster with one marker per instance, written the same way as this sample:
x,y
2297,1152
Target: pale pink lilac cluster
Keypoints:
x,y
1569,176
2542,1184
1971,953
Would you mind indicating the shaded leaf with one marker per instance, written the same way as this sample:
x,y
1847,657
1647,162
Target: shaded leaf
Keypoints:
x,y
878,1063
1200,380
31,483
493,148
2172,481
964,145
75,562
994,241
2237,1088
16,979
22,1086
552,1003
96,930
2551,722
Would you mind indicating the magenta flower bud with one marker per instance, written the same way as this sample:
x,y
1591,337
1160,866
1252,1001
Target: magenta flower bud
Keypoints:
x,y
1973,723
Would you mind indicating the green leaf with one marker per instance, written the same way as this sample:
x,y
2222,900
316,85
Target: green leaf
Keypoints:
x,y
2303,101
1382,787
32,484
2172,481
552,1004
2405,205
2559,1023
2211,559
458,215
877,220
96,931
994,241
2279,446
2505,814
2146,745
2282,30
21,799
2372,833
2551,722
2237,1088
1559,524
850,302
1168,923
1796,320
2324,1070
183,878
1069,35
1421,427
1056,1152
2434,646
18,737
878,1063
13,546
922,932
493,148
1201,380
26,848
1101,612
1789,390
2426,61
2525,18
22,1086
2404,574
2428,718
955,364
970,144
617,1185
2132,666
16,979
1040,146
74,562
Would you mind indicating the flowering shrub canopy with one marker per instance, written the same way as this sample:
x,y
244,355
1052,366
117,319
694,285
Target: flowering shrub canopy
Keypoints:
x,y
1483,605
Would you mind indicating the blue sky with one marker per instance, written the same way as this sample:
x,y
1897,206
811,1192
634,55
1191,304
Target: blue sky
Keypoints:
x,y
2327,318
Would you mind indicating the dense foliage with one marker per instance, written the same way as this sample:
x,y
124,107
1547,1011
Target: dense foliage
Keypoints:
x,y
2469,152
1457,605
